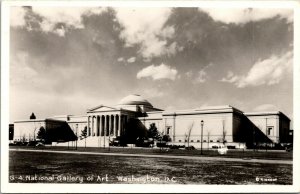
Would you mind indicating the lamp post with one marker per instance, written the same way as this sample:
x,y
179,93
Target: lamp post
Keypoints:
x,y
86,134
109,141
104,135
34,131
34,134
267,134
76,134
202,123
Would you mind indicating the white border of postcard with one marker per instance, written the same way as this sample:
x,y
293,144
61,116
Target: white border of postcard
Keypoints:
x,y
108,188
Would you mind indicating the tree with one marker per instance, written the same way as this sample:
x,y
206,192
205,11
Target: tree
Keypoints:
x,y
42,134
84,132
32,116
189,132
185,138
166,138
23,139
224,132
153,132
208,135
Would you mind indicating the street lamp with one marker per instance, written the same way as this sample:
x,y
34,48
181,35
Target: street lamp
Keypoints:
x,y
202,123
86,133
109,140
34,131
76,134
34,134
266,134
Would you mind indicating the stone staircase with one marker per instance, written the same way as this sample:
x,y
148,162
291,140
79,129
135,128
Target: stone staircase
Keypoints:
x,y
91,141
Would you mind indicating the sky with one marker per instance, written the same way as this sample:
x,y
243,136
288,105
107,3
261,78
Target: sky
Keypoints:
x,y
64,60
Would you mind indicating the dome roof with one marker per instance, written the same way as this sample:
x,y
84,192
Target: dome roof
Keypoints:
x,y
134,99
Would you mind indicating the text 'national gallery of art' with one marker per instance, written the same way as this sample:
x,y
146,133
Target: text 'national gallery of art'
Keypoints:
x,y
133,116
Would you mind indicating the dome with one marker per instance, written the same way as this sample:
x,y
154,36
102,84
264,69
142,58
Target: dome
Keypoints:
x,y
134,99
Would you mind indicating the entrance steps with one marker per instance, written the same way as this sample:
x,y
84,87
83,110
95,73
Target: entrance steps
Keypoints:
x,y
91,141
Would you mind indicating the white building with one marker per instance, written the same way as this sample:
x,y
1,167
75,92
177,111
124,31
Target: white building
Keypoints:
x,y
133,115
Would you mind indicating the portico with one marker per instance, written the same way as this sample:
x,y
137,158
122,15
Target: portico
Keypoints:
x,y
107,121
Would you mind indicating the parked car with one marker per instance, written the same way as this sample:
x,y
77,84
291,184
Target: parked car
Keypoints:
x,y
39,144
19,143
161,144
222,150
31,143
144,143
289,148
114,142
176,146
190,148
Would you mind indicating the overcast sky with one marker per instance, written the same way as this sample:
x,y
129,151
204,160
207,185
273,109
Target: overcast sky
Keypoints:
x,y
66,60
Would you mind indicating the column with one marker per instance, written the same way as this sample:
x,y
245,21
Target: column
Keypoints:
x,y
96,126
110,125
105,125
100,125
115,125
88,128
92,129
93,125
174,123
119,131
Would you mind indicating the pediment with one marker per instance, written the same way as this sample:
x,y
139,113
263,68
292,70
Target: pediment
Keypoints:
x,y
102,108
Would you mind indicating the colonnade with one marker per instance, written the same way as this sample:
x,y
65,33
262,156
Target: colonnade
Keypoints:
x,y
106,125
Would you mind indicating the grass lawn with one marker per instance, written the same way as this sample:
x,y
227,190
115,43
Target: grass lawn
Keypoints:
x,y
39,167
261,154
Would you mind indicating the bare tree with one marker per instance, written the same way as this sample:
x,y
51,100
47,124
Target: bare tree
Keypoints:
x,y
189,132
23,139
224,132
208,135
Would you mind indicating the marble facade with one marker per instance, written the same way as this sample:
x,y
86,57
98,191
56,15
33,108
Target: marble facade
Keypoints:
x,y
220,123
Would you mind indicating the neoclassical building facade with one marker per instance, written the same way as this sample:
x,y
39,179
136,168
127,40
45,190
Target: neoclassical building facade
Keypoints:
x,y
110,121
133,115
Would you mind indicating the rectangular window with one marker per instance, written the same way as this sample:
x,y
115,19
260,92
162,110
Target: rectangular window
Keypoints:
x,y
168,130
179,140
269,130
211,140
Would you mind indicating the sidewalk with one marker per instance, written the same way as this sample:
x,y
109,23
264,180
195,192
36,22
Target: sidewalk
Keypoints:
x,y
161,156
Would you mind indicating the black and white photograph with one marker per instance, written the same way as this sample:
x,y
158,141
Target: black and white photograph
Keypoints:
x,y
99,95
